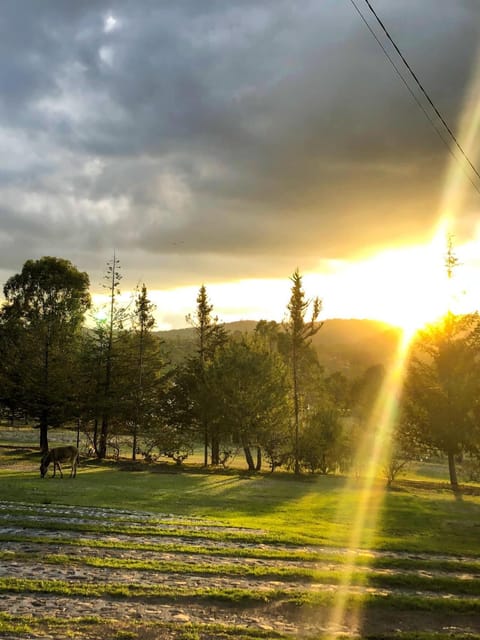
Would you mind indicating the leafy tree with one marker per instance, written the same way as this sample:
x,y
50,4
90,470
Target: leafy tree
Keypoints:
x,y
248,390
321,443
182,399
402,451
268,330
300,332
210,336
107,365
442,389
13,364
365,391
337,387
40,325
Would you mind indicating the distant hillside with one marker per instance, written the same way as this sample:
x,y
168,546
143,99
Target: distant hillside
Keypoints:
x,y
349,346
353,345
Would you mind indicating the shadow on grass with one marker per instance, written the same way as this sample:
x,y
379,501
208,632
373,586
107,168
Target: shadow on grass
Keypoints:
x,y
20,452
430,516
302,507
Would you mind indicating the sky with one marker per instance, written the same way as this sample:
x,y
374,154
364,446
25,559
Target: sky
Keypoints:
x,y
229,142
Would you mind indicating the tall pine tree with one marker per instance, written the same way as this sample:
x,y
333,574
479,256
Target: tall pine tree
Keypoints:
x,y
300,332
210,335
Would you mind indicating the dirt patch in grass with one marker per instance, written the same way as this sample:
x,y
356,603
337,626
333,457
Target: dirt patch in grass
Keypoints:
x,y
215,605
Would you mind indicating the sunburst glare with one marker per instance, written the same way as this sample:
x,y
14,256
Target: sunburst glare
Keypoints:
x,y
372,455
374,450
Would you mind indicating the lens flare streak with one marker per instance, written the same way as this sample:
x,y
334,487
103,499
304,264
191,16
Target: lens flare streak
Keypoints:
x,y
376,449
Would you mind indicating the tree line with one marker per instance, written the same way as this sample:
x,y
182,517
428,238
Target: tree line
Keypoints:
x,y
263,394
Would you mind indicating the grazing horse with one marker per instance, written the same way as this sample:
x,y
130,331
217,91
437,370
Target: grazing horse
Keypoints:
x,y
57,455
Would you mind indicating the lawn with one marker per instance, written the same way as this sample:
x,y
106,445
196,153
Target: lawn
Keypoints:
x,y
415,516
221,554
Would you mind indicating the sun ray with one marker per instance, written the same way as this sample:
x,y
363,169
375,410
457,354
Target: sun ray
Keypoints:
x,y
374,450
346,614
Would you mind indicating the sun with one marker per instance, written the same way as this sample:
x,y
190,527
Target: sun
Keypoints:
x,y
411,285
407,287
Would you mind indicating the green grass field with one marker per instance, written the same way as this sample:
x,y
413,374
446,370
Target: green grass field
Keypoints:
x,y
243,541
414,516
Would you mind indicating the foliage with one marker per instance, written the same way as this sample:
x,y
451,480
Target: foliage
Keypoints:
x,y
442,389
403,451
183,407
471,468
210,336
269,332
299,332
113,323
364,392
146,370
105,384
322,444
40,326
210,333
247,387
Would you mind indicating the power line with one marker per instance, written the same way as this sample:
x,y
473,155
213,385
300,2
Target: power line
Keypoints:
x,y
419,84
422,89
399,73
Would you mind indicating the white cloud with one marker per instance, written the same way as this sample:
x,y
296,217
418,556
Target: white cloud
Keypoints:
x,y
110,23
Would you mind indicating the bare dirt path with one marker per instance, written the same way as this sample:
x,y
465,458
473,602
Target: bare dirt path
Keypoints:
x,y
35,536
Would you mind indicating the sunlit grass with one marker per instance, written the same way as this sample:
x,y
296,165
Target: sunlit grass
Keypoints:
x,y
333,575
247,597
314,556
100,627
276,517
303,511
372,454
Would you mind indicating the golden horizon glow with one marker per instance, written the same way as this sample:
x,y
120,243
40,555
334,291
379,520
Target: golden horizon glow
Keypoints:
x,y
406,287
443,295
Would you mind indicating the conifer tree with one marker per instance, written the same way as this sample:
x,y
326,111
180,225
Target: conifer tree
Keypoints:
x,y
300,332
40,324
210,336
114,321
143,323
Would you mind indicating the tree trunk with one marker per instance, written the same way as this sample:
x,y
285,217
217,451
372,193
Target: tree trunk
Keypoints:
x,y
249,458
44,411
205,443
296,408
258,466
215,449
134,443
102,447
452,470
44,431
95,436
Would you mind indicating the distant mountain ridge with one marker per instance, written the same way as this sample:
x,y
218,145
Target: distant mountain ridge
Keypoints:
x,y
347,345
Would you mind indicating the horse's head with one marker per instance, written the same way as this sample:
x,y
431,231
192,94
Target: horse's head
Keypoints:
x,y
44,465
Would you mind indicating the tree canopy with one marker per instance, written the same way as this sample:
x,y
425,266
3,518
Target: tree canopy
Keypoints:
x,y
442,388
40,320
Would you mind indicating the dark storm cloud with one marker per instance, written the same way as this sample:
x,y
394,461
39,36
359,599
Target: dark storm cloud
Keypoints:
x,y
240,138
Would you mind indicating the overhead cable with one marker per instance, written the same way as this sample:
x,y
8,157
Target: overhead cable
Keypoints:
x,y
419,84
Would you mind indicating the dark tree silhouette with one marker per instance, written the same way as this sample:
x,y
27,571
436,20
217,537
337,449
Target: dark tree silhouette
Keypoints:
x,y
300,331
40,321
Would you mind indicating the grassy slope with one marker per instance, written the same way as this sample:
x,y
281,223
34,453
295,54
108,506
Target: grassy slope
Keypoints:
x,y
416,517
314,510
